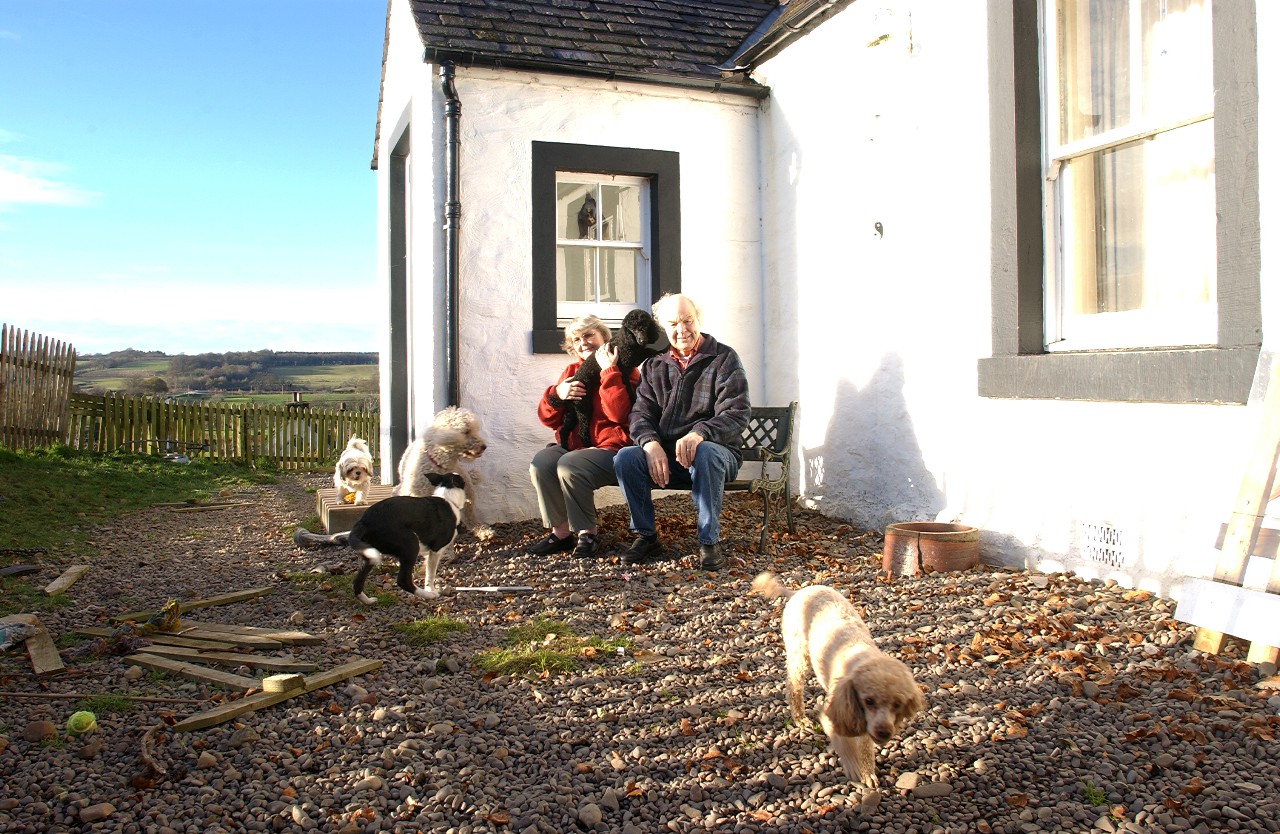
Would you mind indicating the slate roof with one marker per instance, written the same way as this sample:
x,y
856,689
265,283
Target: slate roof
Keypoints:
x,y
644,39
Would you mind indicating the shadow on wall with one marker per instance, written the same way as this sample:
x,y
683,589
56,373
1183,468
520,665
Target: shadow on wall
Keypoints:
x,y
870,470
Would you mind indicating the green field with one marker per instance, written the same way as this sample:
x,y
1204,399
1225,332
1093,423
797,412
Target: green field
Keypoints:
x,y
322,384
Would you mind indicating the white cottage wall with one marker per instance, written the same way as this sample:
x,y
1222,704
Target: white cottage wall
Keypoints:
x,y
410,94
886,212
503,113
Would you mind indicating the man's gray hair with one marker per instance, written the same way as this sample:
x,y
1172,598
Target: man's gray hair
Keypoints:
x,y
672,298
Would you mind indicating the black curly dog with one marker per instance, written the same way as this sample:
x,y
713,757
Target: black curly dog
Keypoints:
x,y
632,340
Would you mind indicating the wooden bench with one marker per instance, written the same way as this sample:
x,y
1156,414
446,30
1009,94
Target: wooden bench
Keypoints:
x,y
767,441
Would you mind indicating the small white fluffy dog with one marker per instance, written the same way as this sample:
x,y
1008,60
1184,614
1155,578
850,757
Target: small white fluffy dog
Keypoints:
x,y
353,473
452,438
870,695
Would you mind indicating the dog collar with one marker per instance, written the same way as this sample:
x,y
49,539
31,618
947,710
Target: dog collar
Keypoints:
x,y
434,462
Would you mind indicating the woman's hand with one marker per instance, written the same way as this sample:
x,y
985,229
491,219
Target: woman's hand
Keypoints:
x,y
571,390
606,356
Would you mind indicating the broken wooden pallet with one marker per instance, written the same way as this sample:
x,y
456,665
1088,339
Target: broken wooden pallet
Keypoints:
x,y
1221,606
165,638
254,661
251,703
194,671
289,638
193,604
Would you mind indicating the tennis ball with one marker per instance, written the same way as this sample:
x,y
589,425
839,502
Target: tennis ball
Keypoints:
x,y
82,722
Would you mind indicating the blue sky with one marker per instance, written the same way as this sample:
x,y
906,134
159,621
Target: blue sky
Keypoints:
x,y
190,177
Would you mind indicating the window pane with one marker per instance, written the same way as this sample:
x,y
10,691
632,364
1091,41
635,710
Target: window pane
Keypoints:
x,y
621,272
620,212
618,275
575,273
1123,63
576,211
1139,230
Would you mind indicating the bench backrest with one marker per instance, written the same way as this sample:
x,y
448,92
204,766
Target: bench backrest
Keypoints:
x,y
767,436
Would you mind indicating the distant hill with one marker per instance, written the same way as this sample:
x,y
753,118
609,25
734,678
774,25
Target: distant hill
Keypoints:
x,y
323,378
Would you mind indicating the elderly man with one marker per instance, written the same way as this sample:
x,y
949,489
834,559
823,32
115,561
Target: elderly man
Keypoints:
x,y
691,407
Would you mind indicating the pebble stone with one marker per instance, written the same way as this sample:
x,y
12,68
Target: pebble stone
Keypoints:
x,y
1054,703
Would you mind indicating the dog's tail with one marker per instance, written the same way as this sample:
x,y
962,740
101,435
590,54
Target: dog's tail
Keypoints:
x,y
306,539
769,586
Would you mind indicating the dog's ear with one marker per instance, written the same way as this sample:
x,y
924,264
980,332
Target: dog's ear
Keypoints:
x,y
844,708
914,705
454,481
438,478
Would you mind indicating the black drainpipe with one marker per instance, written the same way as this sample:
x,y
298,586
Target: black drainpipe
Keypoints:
x,y
452,213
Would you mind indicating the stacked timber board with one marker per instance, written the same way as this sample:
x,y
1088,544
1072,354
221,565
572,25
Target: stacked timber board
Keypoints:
x,y
338,516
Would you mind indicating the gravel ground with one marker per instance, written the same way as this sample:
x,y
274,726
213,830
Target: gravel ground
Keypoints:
x,y
1054,704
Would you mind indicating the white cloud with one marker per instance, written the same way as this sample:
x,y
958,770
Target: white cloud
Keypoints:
x,y
6,35
31,181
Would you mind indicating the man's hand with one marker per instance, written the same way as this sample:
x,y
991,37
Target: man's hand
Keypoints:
x,y
658,470
685,447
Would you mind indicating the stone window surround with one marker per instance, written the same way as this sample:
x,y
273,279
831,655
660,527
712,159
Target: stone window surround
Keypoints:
x,y
1019,367
662,168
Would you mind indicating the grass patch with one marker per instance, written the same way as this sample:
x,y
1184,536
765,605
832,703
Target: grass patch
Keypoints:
x,y
1093,794
543,646
106,703
428,630
52,497
17,596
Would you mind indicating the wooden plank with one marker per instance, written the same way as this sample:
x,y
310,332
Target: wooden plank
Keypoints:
x,y
192,605
245,640
289,638
283,683
256,661
1246,613
68,578
44,655
249,703
193,671
1251,503
163,638
1255,489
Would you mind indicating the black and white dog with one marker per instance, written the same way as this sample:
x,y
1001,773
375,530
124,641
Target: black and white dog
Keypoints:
x,y
404,526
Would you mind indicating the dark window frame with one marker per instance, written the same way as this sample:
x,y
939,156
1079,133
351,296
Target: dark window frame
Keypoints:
x,y
661,168
1019,366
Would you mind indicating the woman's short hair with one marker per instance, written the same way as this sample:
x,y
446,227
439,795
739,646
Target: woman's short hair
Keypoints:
x,y
581,325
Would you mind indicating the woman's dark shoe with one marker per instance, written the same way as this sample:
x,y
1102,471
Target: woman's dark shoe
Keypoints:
x,y
645,550
586,546
551,544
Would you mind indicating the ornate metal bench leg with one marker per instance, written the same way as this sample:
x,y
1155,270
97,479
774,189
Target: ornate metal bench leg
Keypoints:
x,y
765,495
791,524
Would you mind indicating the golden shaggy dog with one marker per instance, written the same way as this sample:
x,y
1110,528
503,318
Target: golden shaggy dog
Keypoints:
x,y
870,695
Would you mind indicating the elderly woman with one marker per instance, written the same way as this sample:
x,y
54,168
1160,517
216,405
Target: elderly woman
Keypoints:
x,y
565,477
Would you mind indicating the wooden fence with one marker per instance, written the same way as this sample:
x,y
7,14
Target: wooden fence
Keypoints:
x,y
36,376
282,437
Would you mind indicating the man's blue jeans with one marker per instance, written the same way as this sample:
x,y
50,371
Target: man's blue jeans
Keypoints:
x,y
713,466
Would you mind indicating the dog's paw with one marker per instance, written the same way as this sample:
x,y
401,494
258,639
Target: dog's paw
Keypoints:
x,y
426,593
366,599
